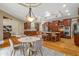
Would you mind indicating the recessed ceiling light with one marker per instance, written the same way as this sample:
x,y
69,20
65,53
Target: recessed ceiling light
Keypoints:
x,y
64,5
67,10
68,14
47,14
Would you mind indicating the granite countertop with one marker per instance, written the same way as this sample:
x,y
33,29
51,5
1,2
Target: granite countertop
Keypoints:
x,y
76,32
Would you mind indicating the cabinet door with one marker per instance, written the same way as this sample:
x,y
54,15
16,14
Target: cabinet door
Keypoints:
x,y
66,22
76,39
55,26
27,25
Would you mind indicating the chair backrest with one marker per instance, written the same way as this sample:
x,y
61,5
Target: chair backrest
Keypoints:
x,y
11,44
40,36
38,44
14,40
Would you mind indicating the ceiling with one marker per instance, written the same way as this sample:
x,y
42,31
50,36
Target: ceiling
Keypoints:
x,y
45,10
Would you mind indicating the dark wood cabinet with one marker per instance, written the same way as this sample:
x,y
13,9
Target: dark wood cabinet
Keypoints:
x,y
27,25
76,39
53,26
66,22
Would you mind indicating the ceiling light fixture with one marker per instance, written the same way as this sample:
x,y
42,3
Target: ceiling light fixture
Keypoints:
x,y
68,14
47,14
64,5
30,16
67,10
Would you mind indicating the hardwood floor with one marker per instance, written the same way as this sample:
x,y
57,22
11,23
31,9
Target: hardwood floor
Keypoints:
x,y
65,46
5,44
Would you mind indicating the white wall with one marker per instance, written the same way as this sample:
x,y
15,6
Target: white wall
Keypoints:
x,y
1,27
17,26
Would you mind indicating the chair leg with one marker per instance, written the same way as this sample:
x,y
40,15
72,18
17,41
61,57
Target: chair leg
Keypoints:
x,y
35,53
41,52
23,52
22,49
29,52
12,52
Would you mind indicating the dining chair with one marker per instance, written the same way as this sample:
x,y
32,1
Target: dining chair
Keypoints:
x,y
45,36
11,46
55,37
15,47
38,45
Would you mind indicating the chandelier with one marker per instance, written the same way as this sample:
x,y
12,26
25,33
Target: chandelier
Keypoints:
x,y
30,16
